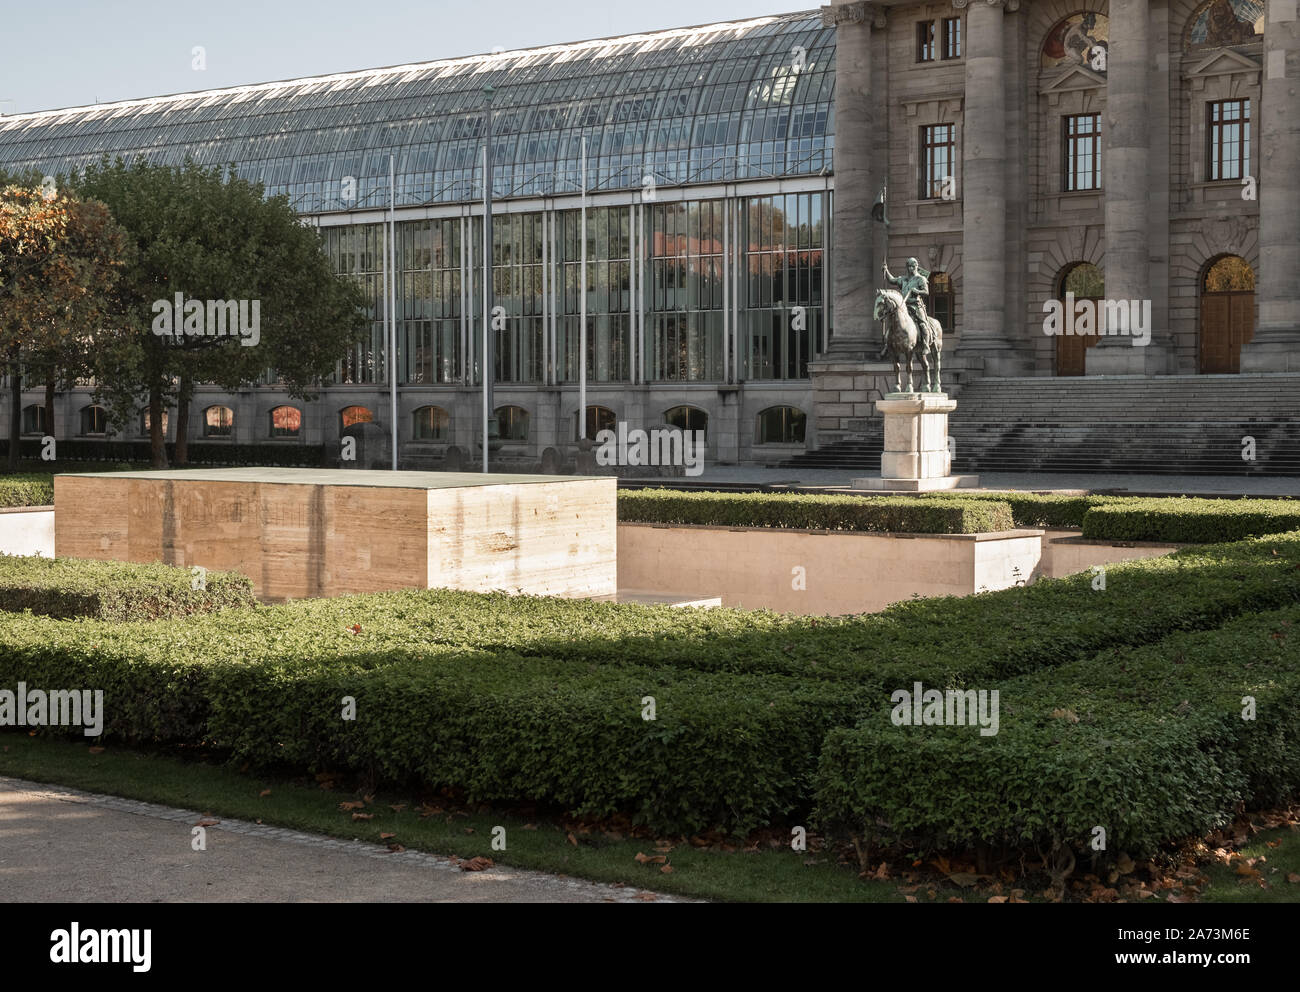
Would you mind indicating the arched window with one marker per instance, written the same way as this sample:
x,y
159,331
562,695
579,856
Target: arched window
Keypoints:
x,y
599,418
940,304
512,423
1080,39
144,423
94,420
430,423
781,425
687,418
286,421
351,415
34,419
1221,23
218,421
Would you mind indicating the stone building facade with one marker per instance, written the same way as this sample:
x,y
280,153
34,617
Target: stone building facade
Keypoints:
x,y
1146,140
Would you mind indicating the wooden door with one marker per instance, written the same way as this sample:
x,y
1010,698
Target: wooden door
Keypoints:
x,y
1072,349
1227,323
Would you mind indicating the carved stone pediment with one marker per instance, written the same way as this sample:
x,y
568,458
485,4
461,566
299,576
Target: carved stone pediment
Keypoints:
x,y
1224,62
1076,77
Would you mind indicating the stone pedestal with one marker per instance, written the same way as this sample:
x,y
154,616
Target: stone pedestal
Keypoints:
x,y
916,457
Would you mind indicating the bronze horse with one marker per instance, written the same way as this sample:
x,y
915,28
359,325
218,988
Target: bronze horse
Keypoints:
x,y
904,342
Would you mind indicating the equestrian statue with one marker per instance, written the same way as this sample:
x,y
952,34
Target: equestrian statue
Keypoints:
x,y
908,331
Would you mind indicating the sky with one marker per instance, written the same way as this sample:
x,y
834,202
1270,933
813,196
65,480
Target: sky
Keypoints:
x,y
78,52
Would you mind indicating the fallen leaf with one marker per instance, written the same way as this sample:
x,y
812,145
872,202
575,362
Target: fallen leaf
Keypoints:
x,y
997,898
387,836
469,830
93,750
351,805
573,840
965,878
363,816
910,898
646,896
530,826
398,808
1293,877
476,864
207,822
666,869
1069,716
264,793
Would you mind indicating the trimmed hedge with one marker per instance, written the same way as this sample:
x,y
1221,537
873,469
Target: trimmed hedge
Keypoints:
x,y
1040,509
1191,521
1149,743
806,511
26,489
530,698
200,452
112,590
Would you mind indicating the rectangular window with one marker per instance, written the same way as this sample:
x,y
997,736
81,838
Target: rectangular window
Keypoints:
x,y
925,41
951,38
938,148
1228,136
1082,158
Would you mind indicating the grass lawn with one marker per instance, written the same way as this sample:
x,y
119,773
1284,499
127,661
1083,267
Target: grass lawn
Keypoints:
x,y
437,826
773,875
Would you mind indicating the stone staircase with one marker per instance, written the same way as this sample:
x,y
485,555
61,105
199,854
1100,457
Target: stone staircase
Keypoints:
x,y
1170,425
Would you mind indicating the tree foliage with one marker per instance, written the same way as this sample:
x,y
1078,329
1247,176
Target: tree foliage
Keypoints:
x,y
208,235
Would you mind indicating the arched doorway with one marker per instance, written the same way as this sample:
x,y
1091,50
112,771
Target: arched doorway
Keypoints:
x,y
1085,282
1227,313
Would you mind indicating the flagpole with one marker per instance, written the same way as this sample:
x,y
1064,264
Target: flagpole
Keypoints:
x,y
582,308
392,296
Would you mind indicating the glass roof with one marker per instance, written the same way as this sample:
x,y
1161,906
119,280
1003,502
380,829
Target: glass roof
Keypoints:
x,y
740,100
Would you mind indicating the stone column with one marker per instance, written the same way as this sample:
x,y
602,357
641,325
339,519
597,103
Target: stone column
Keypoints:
x,y
982,188
1276,344
855,185
1125,183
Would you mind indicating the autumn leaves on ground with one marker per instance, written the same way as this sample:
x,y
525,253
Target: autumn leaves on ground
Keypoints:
x,y
1258,860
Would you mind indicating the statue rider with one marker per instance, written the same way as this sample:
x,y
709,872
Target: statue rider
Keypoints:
x,y
915,288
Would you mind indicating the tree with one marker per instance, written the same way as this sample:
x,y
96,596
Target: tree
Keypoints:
x,y
60,258
206,239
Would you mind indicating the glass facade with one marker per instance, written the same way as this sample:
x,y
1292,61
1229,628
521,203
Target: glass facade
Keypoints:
x,y
682,285
719,102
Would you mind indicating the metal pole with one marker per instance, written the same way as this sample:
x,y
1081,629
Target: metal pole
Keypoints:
x,y
392,297
582,307
489,293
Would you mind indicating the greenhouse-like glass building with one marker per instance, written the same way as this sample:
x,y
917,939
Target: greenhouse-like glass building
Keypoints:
x,y
708,208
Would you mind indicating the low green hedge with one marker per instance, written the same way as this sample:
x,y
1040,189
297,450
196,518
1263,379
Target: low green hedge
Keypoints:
x,y
1149,743
994,634
1039,509
199,452
540,699
112,590
1191,521
27,489
805,511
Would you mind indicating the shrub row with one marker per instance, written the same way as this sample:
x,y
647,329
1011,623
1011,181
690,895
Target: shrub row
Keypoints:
x,y
1193,521
112,590
1149,743
994,634
199,453
1039,509
515,697
904,515
723,750
27,489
